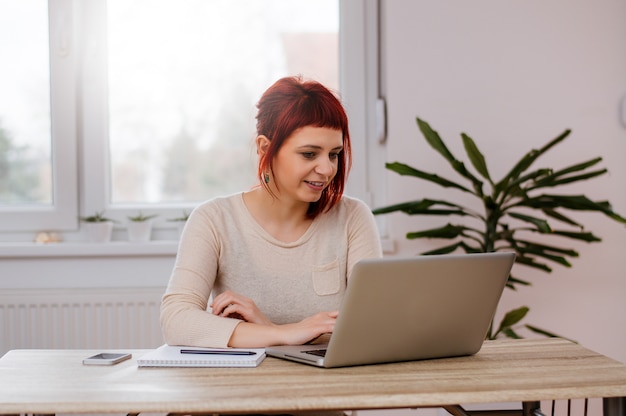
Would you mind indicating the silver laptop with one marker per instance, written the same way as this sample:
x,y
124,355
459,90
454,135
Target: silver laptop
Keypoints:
x,y
401,309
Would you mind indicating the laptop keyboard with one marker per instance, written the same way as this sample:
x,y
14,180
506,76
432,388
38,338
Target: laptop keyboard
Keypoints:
x,y
319,353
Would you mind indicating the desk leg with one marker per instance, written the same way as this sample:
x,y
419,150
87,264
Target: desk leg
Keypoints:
x,y
614,406
528,409
532,409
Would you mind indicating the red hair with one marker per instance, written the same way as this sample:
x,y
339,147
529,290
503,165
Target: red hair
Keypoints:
x,y
290,104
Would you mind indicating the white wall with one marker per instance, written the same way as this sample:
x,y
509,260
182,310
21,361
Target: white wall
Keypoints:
x,y
513,75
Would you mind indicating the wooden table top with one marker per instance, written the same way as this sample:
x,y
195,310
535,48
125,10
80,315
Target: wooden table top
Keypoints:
x,y
55,381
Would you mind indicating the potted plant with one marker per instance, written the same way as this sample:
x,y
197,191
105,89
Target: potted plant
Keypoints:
x,y
182,220
99,228
517,211
140,227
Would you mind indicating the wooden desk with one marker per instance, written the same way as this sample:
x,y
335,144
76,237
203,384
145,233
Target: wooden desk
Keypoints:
x,y
55,381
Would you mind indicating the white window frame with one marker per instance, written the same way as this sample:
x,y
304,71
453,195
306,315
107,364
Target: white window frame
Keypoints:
x,y
80,149
362,91
63,213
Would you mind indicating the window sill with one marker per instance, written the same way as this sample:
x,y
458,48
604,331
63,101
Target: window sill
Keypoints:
x,y
82,249
110,249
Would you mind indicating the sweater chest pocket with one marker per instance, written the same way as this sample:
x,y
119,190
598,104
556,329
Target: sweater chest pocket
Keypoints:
x,y
326,278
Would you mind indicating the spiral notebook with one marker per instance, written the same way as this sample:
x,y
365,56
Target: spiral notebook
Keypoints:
x,y
176,356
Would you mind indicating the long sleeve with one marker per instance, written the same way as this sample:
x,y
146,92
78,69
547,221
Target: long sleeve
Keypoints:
x,y
224,248
184,316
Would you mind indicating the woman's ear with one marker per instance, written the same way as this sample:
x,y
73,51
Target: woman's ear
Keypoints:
x,y
262,144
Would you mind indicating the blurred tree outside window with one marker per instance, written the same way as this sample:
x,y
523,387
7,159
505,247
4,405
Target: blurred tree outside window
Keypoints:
x,y
183,80
25,134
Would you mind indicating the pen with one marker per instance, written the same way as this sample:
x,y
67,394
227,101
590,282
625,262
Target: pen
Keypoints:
x,y
218,352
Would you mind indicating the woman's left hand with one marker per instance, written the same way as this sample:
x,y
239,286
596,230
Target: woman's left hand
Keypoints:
x,y
233,305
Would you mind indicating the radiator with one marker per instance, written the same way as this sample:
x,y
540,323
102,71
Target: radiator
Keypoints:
x,y
80,318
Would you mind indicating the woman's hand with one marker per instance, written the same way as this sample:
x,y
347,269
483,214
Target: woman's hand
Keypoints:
x,y
249,335
308,329
259,331
232,305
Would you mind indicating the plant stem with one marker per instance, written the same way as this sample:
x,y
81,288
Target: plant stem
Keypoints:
x,y
491,229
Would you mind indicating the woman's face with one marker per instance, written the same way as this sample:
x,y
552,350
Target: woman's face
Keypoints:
x,y
307,162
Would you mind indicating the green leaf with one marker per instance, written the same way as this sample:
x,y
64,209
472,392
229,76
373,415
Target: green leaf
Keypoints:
x,y
451,248
588,237
97,217
140,217
515,187
183,218
448,231
528,159
577,167
511,318
540,331
510,333
527,252
406,170
553,181
514,316
557,215
516,281
443,250
475,156
544,247
433,138
530,262
551,178
573,202
424,207
541,224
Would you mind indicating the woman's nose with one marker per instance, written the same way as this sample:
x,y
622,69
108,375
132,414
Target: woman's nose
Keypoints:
x,y
325,167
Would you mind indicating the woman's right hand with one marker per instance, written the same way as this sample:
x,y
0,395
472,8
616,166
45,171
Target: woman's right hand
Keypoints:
x,y
309,328
251,335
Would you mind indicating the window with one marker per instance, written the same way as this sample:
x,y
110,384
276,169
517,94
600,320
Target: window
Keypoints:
x,y
25,105
37,133
183,78
152,102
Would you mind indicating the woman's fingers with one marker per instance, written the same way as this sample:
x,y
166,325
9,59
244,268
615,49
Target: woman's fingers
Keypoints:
x,y
232,305
310,328
224,300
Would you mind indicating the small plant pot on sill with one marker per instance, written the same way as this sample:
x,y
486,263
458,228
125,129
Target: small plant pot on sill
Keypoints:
x,y
99,232
180,222
139,231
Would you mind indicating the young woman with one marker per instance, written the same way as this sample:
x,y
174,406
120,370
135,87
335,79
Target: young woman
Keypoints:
x,y
276,259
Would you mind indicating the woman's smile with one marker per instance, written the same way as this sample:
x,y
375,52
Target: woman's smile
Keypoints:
x,y
318,186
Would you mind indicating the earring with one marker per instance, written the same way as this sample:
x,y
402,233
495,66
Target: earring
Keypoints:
x,y
266,178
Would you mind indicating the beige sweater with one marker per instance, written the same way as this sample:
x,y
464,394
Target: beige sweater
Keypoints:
x,y
224,248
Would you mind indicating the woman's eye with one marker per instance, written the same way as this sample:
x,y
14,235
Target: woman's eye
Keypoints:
x,y
334,156
308,155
